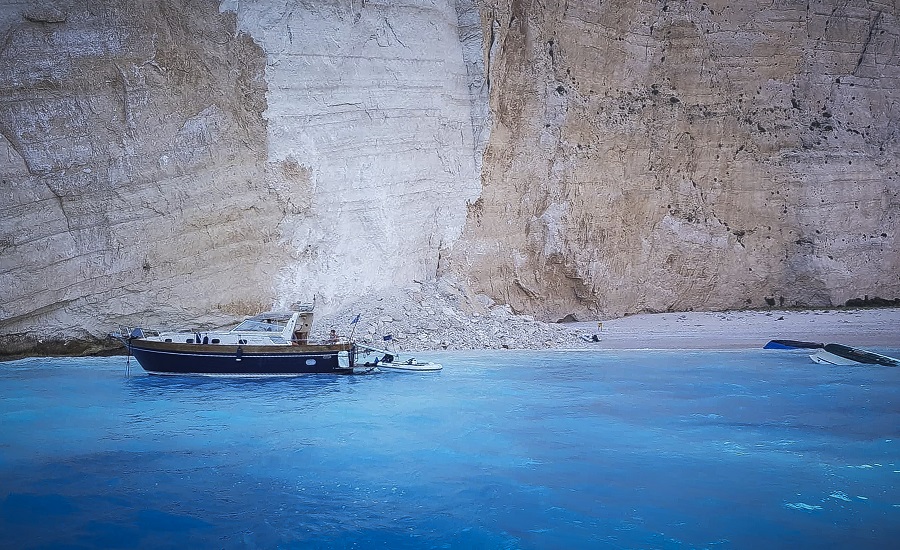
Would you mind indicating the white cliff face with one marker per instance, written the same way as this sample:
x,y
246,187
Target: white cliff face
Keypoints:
x,y
370,139
188,161
185,162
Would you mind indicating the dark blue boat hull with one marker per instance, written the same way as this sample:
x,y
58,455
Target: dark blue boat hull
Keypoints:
x,y
238,362
791,344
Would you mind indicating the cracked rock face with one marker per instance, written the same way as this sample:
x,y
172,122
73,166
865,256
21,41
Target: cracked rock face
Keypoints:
x,y
370,140
653,156
185,162
190,161
132,154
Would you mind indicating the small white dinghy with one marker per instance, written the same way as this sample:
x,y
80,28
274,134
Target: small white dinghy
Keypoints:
x,y
410,365
389,361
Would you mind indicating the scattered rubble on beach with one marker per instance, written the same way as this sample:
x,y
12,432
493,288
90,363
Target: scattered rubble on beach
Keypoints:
x,y
439,315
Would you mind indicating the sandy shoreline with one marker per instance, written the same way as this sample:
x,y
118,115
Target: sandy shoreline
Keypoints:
x,y
866,328
442,315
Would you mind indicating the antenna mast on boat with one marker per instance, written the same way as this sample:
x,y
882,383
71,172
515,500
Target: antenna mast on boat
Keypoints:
x,y
354,322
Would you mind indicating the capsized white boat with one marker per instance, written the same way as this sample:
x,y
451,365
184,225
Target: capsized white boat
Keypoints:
x,y
837,354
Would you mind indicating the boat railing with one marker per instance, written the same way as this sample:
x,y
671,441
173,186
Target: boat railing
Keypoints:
x,y
126,332
303,307
327,341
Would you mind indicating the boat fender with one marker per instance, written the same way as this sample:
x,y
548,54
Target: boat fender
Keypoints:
x,y
239,354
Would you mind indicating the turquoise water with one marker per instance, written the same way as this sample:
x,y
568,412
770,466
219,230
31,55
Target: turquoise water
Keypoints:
x,y
737,449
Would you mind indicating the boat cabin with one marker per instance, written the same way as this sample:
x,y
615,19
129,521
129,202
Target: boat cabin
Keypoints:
x,y
266,329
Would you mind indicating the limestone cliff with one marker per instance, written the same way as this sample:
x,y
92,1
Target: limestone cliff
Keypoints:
x,y
370,139
131,168
655,155
188,161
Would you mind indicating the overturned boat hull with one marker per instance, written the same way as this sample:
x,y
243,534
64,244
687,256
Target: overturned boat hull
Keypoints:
x,y
837,354
792,344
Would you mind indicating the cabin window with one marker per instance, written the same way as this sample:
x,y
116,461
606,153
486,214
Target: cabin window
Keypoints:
x,y
215,340
310,362
242,341
168,339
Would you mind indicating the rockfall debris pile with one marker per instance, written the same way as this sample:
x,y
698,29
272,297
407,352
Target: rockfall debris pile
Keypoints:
x,y
440,314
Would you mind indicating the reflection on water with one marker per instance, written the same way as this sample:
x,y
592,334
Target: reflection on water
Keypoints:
x,y
299,387
498,450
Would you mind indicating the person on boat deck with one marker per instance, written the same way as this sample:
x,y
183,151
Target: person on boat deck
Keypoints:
x,y
333,337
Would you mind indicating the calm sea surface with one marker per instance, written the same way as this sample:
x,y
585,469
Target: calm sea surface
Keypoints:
x,y
737,449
